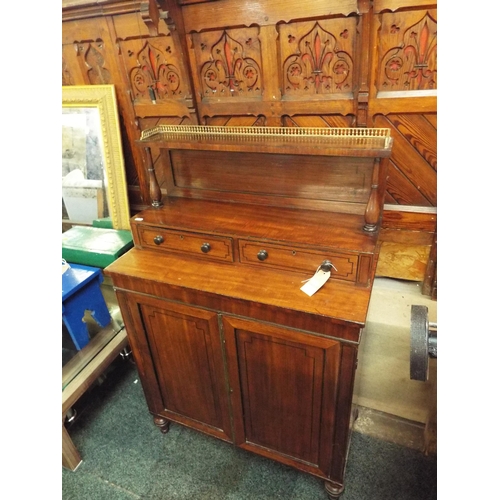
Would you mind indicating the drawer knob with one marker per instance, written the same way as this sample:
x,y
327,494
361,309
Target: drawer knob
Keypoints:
x,y
262,255
158,240
205,248
326,266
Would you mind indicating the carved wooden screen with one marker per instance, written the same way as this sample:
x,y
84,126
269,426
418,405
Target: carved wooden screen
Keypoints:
x,y
402,97
276,69
327,63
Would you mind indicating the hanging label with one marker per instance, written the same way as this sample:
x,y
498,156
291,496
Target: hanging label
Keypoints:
x,y
316,282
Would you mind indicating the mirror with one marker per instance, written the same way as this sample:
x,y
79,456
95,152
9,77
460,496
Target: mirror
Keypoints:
x,y
93,172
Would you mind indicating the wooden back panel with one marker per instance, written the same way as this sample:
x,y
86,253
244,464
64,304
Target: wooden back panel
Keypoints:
x,y
277,179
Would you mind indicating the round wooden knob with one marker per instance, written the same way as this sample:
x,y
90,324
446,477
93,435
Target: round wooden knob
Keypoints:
x,y
158,240
205,248
262,255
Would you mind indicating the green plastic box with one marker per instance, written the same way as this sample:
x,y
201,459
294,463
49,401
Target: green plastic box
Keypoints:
x,y
95,246
106,222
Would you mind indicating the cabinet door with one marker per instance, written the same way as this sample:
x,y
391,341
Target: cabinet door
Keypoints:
x,y
284,387
181,356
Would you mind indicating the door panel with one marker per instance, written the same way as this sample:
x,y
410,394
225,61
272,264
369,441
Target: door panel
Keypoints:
x,y
284,390
185,347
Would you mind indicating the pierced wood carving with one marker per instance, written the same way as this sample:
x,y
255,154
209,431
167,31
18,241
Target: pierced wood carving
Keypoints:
x,y
151,15
66,75
412,64
229,65
321,61
155,77
93,62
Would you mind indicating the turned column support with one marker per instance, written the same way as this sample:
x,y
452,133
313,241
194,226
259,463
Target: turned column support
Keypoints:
x,y
154,187
375,203
372,212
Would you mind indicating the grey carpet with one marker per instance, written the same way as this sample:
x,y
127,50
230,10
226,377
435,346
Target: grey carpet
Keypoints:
x,y
126,457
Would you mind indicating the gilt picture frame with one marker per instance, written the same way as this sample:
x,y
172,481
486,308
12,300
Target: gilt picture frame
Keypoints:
x,y
92,153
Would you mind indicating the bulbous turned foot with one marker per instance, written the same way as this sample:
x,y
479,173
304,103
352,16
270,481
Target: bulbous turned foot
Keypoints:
x,y
162,423
333,490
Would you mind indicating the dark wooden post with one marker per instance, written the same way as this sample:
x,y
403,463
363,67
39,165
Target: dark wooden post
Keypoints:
x,y
154,188
364,63
372,212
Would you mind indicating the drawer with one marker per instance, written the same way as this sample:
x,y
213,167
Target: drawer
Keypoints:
x,y
204,246
297,259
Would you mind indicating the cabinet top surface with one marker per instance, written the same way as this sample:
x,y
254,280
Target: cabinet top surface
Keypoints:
x,y
335,300
311,228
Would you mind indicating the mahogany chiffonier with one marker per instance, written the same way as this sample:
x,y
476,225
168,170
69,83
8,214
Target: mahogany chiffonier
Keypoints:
x,y
225,339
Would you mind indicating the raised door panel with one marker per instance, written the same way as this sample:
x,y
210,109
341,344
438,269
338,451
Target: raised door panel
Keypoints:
x,y
284,387
186,359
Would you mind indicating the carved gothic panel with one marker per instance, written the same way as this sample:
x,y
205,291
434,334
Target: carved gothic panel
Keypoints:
x,y
154,70
407,51
317,58
67,79
228,63
92,62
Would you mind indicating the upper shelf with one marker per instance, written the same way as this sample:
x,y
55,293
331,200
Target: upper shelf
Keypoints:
x,y
373,142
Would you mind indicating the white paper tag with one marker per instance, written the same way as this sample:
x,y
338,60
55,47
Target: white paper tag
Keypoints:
x,y
316,282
